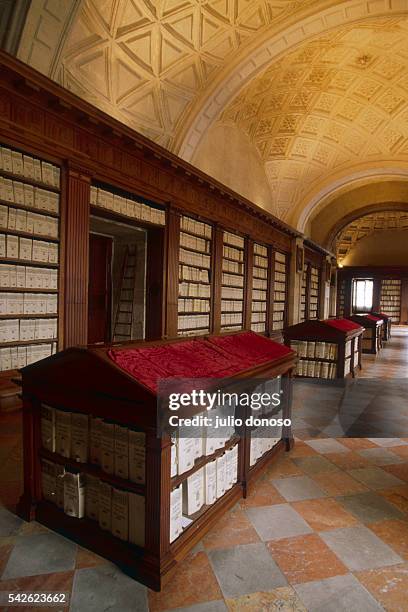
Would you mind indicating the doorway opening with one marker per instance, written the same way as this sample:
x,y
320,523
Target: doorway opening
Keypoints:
x,y
117,282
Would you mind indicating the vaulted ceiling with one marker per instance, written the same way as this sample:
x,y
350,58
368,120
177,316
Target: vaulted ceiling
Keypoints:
x,y
319,88
336,101
367,225
147,62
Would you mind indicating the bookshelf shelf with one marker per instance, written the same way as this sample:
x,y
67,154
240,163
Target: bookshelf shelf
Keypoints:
x,y
233,254
390,299
28,342
93,470
195,243
28,316
29,235
27,290
32,209
29,181
202,461
26,262
280,289
259,315
29,228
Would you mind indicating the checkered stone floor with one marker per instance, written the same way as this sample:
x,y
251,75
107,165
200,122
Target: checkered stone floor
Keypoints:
x,y
325,529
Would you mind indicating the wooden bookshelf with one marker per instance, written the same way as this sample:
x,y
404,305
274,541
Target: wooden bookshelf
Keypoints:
x,y
232,282
390,299
195,277
373,332
120,389
314,293
280,290
29,256
260,277
303,295
327,349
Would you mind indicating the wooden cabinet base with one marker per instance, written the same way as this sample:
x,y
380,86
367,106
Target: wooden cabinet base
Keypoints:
x,y
133,560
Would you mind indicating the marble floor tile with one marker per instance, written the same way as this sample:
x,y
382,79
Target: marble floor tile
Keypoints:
x,y
380,456
389,585
375,478
230,530
5,552
324,514
298,488
305,558
9,523
192,582
245,569
401,451
327,445
369,507
106,588
59,582
41,553
397,496
399,470
357,443
283,468
279,521
315,465
302,450
283,599
388,442
339,483
393,532
359,548
347,461
208,606
262,494
337,594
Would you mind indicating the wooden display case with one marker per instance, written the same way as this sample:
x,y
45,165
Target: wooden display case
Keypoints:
x,y
373,332
327,349
387,324
115,388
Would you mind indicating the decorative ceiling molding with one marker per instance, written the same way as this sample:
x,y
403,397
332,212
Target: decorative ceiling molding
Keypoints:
x,y
366,225
47,25
308,21
337,184
332,105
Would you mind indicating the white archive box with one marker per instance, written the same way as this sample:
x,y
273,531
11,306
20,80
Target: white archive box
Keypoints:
x,y
175,513
194,492
120,514
74,494
137,519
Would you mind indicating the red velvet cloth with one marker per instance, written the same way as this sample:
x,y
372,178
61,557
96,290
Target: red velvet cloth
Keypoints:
x,y
190,359
342,324
219,357
373,318
250,348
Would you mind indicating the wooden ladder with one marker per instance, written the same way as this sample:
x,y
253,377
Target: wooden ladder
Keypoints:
x,y
122,330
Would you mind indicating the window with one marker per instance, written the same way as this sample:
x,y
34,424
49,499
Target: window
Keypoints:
x,y
362,294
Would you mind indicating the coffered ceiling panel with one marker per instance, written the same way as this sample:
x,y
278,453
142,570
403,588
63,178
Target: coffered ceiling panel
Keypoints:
x,y
147,62
331,104
350,235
